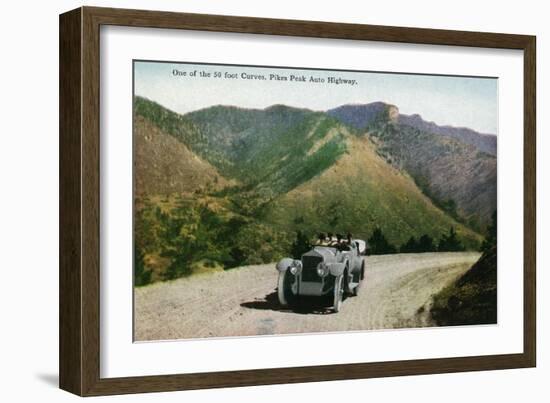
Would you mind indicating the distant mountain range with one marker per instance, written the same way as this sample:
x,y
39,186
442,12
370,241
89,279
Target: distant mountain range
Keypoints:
x,y
362,116
356,166
484,142
455,167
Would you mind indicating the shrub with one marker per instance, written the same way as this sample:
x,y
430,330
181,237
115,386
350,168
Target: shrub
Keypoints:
x,y
379,245
142,276
450,242
300,245
490,240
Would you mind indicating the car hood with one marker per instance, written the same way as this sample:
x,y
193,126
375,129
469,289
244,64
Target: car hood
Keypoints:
x,y
327,253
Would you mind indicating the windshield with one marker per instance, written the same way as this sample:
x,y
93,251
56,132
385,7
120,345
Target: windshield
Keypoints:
x,y
341,245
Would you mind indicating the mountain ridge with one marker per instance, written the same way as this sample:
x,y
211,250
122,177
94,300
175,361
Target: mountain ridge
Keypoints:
x,y
486,142
361,116
274,150
456,175
164,165
225,186
371,189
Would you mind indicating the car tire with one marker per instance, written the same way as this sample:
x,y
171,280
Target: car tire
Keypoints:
x,y
338,293
348,277
284,289
357,288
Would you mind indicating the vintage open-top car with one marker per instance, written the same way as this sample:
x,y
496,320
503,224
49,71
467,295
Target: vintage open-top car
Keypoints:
x,y
332,267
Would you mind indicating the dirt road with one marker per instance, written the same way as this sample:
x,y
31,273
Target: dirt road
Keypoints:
x,y
396,293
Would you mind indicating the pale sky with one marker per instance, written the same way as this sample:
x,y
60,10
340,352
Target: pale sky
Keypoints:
x,y
446,100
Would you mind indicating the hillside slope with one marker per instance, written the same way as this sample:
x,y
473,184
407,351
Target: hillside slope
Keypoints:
x,y
361,116
472,299
457,176
164,165
271,150
362,191
228,186
483,142
451,173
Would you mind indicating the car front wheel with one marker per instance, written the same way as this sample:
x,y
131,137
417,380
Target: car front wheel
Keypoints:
x,y
284,288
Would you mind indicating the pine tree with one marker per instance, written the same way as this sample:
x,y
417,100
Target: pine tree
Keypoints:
x,y
142,276
491,238
378,243
410,246
450,242
300,245
426,244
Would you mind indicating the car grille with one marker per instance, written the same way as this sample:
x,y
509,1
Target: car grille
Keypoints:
x,y
309,270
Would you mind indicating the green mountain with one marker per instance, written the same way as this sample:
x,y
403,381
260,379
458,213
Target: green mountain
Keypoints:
x,y
270,151
360,192
227,186
273,150
163,165
169,122
484,142
452,171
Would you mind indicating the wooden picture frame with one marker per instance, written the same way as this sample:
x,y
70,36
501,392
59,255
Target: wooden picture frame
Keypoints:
x,y
79,348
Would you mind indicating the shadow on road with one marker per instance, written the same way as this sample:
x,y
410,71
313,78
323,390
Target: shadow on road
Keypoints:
x,y
304,306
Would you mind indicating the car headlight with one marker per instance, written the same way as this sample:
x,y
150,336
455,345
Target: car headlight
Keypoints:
x,y
322,269
295,267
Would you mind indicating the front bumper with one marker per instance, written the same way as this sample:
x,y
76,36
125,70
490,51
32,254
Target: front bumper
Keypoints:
x,y
322,286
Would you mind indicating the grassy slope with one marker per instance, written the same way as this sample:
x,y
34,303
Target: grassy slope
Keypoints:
x,y
271,150
443,166
169,122
296,169
164,165
472,299
359,192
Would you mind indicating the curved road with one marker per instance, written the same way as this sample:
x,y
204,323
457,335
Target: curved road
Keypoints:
x,y
396,293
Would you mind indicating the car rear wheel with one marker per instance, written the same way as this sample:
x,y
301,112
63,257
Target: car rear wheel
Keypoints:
x,y
338,293
284,289
357,288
